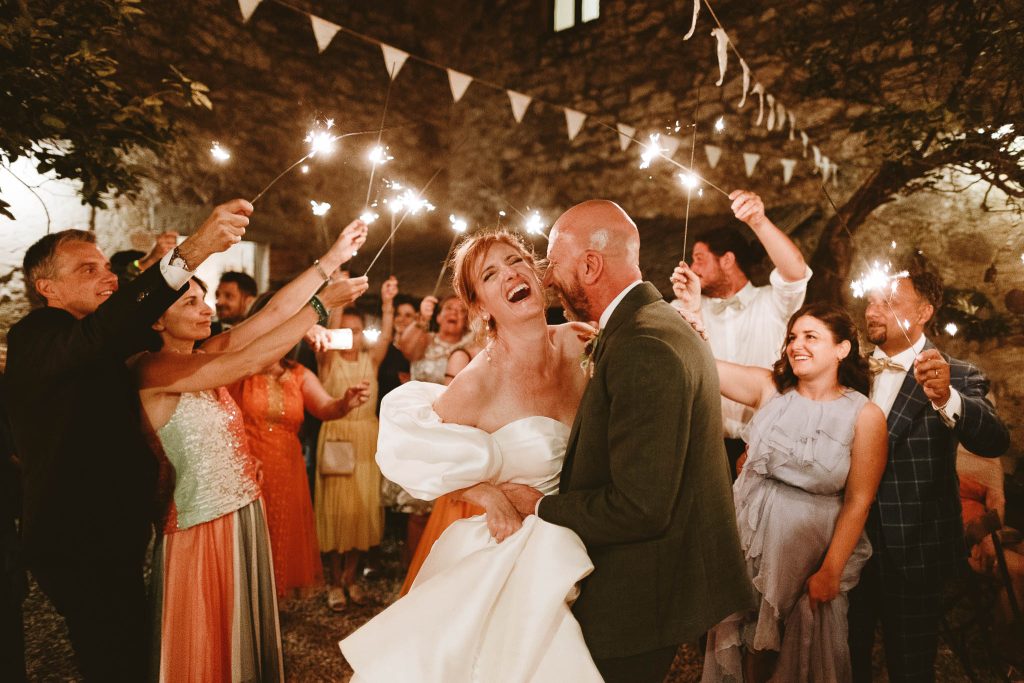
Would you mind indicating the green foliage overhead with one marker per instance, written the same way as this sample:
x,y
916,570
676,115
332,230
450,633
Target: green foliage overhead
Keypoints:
x,y
64,102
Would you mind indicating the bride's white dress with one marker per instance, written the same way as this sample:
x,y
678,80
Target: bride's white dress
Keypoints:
x,y
479,610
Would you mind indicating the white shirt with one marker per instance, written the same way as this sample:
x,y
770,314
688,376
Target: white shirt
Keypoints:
x,y
749,328
603,322
886,385
174,276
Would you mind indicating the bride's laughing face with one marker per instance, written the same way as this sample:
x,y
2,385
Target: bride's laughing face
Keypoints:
x,y
507,286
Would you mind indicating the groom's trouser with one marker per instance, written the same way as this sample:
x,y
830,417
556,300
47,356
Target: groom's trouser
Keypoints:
x,y
646,667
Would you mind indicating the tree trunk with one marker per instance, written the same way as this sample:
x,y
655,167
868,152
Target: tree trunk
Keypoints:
x,y
832,258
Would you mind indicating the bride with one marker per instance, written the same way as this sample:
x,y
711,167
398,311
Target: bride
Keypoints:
x,y
492,601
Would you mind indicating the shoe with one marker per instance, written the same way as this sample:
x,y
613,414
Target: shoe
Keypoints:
x,y
336,599
356,594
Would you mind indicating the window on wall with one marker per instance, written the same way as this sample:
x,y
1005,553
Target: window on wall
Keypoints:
x,y
569,13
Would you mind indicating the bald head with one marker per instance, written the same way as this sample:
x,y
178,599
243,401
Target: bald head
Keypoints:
x,y
602,226
593,254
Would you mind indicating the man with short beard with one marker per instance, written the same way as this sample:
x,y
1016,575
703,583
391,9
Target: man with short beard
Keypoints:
x,y
933,403
89,476
746,324
236,293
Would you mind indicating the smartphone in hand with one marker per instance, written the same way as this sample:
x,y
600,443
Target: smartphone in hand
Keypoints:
x,y
339,340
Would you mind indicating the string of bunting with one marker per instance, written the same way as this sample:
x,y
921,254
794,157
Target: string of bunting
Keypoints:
x,y
771,111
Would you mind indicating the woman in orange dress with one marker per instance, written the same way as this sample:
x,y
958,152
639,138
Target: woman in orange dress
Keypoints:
x,y
272,404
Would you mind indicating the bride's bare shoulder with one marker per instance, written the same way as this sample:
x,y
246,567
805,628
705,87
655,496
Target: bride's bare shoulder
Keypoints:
x,y
462,401
571,337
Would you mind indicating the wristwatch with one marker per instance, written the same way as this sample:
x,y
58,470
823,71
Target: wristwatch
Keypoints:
x,y
178,261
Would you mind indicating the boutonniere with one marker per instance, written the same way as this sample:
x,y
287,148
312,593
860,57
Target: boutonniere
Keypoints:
x,y
587,357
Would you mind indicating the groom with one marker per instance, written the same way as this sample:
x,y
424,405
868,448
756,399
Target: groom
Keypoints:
x,y
645,481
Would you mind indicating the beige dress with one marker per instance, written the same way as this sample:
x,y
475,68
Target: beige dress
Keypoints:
x,y
348,507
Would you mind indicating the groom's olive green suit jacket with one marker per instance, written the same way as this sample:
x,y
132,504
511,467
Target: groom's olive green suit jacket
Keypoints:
x,y
646,485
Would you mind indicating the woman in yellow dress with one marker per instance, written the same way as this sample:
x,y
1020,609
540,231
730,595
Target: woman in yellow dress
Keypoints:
x,y
349,516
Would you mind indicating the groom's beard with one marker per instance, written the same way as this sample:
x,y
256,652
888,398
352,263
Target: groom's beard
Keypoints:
x,y
575,301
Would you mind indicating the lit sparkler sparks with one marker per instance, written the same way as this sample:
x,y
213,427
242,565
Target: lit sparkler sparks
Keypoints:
x,y
535,224
688,180
652,150
720,124
379,155
877,278
368,217
320,140
371,335
459,225
409,202
219,153
951,329
320,208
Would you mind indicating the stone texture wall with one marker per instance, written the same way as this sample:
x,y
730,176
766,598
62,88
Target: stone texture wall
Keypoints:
x,y
268,83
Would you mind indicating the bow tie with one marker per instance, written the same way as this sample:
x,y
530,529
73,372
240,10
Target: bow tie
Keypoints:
x,y
879,365
722,305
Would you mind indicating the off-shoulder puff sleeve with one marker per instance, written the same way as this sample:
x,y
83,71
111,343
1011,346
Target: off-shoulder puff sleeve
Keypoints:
x,y
428,457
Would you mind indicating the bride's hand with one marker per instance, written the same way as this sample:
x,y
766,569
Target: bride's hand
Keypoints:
x,y
502,518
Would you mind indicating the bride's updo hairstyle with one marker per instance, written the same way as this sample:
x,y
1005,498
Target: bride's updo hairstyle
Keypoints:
x,y
466,268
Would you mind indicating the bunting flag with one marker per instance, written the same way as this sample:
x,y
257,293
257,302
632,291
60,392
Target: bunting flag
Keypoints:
x,y
746,83
770,124
671,145
713,154
626,134
817,157
248,7
805,140
393,59
693,24
458,82
750,161
324,32
519,104
792,124
574,122
759,90
723,53
787,170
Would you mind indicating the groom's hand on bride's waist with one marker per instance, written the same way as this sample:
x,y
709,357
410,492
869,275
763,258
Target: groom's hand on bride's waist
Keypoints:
x,y
523,497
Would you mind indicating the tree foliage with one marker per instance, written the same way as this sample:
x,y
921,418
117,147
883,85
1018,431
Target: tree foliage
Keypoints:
x,y
931,86
64,102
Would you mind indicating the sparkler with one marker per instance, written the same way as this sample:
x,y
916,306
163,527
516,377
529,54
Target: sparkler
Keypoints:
x,y
652,150
414,200
459,228
720,124
321,141
371,335
951,329
219,153
320,210
689,180
535,225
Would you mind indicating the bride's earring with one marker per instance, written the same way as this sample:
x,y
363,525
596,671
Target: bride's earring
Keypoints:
x,y
486,317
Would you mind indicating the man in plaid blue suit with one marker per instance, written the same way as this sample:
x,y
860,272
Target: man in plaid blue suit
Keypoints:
x,y
933,402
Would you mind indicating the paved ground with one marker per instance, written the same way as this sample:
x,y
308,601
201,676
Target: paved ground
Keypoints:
x,y
311,632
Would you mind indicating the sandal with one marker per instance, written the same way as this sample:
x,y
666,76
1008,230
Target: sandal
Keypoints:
x,y
356,594
336,599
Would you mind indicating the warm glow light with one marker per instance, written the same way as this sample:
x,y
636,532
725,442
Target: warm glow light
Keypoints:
x,y
371,335
380,155
219,153
877,278
535,224
459,225
688,180
368,217
892,245
320,140
409,202
652,150
951,329
305,168
720,124
320,208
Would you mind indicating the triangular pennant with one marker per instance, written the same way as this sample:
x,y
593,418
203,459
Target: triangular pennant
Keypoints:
x,y
670,145
458,82
750,161
787,170
519,104
393,59
759,91
693,24
746,83
323,31
573,122
248,7
713,154
626,134
806,140
723,53
792,124
817,157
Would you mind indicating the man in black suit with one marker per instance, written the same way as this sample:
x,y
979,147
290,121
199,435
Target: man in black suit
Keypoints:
x,y
645,482
89,477
933,402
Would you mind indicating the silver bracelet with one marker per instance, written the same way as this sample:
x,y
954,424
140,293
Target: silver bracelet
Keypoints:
x,y
320,271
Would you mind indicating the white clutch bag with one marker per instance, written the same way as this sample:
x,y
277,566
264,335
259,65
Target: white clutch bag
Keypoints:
x,y
338,458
